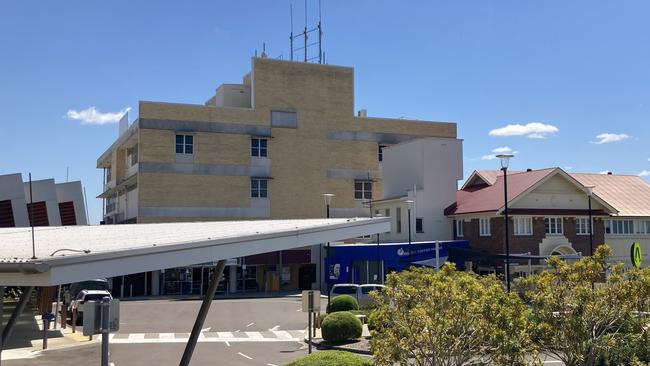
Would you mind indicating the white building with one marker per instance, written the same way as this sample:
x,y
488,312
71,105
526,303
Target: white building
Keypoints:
x,y
425,171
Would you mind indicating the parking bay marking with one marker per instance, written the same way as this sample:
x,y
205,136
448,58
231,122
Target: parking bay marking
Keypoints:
x,y
245,356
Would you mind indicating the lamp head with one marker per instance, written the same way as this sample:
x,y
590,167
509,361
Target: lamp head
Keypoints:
x,y
410,203
505,160
590,190
328,198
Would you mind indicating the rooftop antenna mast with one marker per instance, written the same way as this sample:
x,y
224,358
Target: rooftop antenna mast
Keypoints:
x,y
305,37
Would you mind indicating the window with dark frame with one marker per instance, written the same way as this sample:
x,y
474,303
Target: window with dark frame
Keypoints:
x,y
259,188
362,190
418,225
380,152
398,216
259,147
185,144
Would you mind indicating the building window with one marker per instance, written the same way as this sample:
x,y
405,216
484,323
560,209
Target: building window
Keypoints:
x,y
362,190
259,187
132,155
523,226
109,174
185,144
619,227
284,119
460,232
387,213
582,226
398,216
418,225
380,152
484,227
258,147
553,226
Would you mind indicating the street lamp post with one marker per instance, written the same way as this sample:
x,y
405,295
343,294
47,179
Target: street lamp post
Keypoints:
x,y
590,192
505,160
328,202
378,255
410,205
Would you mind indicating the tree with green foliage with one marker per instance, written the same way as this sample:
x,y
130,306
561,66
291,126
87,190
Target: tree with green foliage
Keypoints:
x,y
448,318
583,321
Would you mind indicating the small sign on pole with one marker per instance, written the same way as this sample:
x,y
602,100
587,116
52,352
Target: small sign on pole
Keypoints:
x,y
310,304
315,305
92,320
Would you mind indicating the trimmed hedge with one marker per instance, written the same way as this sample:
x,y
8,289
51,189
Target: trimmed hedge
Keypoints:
x,y
342,303
331,358
341,326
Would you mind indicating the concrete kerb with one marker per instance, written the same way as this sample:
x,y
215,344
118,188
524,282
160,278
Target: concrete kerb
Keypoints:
x,y
321,344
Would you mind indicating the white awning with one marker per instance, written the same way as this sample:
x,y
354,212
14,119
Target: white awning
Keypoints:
x,y
123,249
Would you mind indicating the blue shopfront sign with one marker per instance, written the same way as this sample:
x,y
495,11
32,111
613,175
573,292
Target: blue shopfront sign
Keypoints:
x,y
367,263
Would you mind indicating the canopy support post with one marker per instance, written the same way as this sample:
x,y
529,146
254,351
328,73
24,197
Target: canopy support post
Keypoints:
x,y
24,298
203,313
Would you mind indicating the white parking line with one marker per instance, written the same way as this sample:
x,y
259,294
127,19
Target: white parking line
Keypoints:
x,y
227,343
249,325
245,356
275,328
271,364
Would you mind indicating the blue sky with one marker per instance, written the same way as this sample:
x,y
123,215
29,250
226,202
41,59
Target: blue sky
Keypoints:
x,y
566,71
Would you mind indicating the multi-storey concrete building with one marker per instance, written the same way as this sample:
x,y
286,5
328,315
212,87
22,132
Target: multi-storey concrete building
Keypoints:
x,y
267,148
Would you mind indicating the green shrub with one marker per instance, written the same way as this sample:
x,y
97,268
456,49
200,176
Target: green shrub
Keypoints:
x,y
342,303
341,326
331,358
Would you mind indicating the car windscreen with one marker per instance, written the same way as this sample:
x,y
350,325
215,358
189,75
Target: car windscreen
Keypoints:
x,y
347,290
88,285
94,297
366,289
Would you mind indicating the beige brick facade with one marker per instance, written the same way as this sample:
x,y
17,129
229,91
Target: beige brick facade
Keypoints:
x,y
324,153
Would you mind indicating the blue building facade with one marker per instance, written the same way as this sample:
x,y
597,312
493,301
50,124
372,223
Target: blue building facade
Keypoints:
x,y
369,263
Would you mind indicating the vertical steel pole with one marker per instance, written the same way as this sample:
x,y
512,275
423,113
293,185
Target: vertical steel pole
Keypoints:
x,y
310,301
409,218
105,311
591,231
203,313
2,301
58,300
327,270
505,197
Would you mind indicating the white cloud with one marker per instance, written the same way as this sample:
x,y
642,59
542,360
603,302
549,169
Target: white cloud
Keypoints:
x,y
604,172
605,138
533,130
568,167
497,151
94,117
644,173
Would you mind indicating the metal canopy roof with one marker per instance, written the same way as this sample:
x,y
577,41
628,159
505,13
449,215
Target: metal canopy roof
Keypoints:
x,y
123,249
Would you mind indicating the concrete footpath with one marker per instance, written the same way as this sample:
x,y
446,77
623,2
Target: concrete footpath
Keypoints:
x,y
26,341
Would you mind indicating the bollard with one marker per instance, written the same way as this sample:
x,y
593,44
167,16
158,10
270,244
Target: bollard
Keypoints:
x,y
105,311
64,316
47,318
74,320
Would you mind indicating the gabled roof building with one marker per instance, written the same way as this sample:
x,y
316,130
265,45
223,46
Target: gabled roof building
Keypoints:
x,y
549,213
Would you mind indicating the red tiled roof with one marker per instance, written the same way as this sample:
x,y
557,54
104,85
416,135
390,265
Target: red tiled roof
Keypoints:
x,y
627,194
489,198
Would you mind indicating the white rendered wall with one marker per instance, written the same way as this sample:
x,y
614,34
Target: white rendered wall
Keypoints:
x,y
72,191
45,190
558,193
434,166
233,95
11,188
